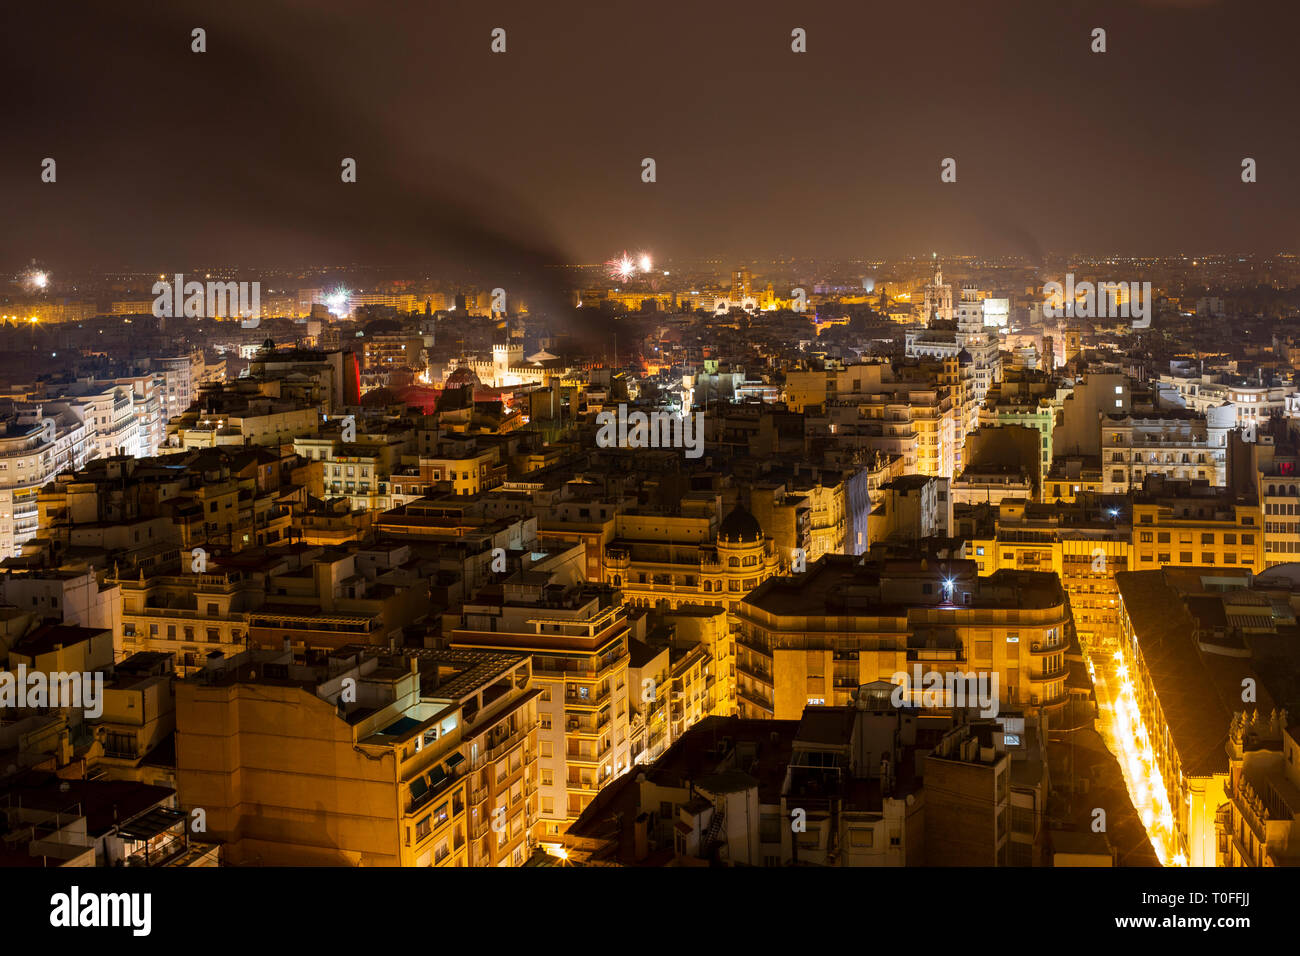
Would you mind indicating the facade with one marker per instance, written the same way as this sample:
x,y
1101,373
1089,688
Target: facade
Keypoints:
x,y
812,639
1184,524
37,443
1258,825
1085,544
576,636
1180,447
404,762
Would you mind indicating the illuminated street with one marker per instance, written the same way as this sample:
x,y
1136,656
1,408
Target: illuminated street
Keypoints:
x,y
1120,724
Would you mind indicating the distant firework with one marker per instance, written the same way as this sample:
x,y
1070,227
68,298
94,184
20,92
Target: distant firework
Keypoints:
x,y
34,280
622,268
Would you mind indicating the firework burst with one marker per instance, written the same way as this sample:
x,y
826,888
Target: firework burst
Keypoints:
x,y
34,280
622,268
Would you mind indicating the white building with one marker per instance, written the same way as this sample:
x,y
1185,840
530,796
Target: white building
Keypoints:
x,y
1252,403
1177,445
36,443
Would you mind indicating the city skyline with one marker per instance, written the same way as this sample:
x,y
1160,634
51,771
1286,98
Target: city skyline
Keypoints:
x,y
644,437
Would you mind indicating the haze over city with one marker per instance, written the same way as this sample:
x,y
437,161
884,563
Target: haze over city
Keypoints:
x,y
649,436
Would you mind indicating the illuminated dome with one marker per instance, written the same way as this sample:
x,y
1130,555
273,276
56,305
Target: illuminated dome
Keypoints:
x,y
740,527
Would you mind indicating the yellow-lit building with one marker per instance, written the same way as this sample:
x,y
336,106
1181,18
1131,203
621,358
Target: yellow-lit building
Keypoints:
x,y
576,636
1180,524
1259,826
664,561
1085,544
814,638
347,761
187,616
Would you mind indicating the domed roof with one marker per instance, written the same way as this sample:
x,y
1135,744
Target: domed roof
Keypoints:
x,y
740,526
462,376
964,358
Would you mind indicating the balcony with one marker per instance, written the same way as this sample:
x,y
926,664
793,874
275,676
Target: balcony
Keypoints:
x,y
757,673
754,699
1050,675
499,750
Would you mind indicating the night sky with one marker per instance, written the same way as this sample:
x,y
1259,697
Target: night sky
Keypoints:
x,y
169,159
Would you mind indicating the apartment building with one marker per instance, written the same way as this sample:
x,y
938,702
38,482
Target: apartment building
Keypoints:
x,y
255,733
110,414
1025,398
37,442
577,637
1278,464
187,616
816,637
241,414
319,599
851,793
1249,404
181,377
499,741
1085,543
360,471
75,594
1259,825
137,722
1187,524
806,508
1176,444
669,560
139,513
968,799
714,796
872,406
909,509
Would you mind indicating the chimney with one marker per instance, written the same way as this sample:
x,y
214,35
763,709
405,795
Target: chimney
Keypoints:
x,y
641,837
